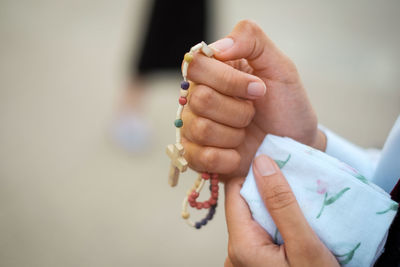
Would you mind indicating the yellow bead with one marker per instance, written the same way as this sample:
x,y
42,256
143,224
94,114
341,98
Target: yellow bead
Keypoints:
x,y
197,183
185,215
188,57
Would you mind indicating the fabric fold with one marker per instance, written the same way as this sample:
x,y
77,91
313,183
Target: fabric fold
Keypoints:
x,y
349,214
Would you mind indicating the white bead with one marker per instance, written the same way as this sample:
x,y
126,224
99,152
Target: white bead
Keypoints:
x,y
185,69
179,112
206,50
196,47
184,93
190,223
178,135
185,203
200,187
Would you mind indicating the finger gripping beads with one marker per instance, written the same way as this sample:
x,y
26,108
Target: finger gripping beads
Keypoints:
x,y
176,152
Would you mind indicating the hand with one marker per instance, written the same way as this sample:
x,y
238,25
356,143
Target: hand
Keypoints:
x,y
230,112
250,245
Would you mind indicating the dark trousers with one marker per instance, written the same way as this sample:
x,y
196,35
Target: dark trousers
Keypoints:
x,y
174,27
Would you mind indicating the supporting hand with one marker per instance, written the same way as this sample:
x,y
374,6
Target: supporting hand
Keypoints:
x,y
250,245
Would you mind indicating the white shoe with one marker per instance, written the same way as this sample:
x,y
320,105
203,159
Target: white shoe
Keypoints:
x,y
132,132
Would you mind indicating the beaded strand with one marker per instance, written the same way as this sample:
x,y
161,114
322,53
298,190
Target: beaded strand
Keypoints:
x,y
176,152
194,193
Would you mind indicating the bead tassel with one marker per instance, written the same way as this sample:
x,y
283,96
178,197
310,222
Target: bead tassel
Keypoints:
x,y
210,204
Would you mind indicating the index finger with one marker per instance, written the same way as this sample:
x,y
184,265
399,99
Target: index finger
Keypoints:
x,y
224,78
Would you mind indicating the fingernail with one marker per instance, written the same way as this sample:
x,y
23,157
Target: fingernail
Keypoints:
x,y
256,89
264,165
222,45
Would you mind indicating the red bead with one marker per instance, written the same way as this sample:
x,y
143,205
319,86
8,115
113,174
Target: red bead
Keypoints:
x,y
212,201
190,199
214,188
205,176
192,204
214,195
214,181
214,175
206,205
199,205
182,100
194,195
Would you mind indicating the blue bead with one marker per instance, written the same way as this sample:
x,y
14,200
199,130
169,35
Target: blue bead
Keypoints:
x,y
204,221
209,216
185,85
198,225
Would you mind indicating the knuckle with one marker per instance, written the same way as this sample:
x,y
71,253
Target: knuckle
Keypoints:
x,y
186,128
247,117
249,26
201,99
280,197
234,161
209,159
241,135
200,129
313,251
229,79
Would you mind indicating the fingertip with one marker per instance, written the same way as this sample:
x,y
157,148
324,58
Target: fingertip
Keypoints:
x,y
234,183
222,45
264,166
256,89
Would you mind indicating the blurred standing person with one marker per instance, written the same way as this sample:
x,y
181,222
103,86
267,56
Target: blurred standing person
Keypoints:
x,y
173,27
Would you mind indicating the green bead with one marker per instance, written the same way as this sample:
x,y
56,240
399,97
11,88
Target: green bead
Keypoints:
x,y
178,123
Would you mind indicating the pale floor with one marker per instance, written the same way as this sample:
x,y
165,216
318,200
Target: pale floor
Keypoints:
x,y
68,197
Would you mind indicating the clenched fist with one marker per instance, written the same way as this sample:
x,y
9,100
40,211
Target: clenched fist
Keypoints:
x,y
248,90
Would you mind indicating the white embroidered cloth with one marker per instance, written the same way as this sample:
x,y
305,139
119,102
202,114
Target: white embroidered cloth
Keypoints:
x,y
349,214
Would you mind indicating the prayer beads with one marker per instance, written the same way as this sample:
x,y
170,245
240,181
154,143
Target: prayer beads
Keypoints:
x,y
176,152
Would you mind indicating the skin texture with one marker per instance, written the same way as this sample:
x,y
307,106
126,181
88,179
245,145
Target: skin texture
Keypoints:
x,y
250,245
224,125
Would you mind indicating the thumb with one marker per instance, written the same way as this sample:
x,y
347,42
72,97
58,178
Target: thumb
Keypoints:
x,y
281,202
248,41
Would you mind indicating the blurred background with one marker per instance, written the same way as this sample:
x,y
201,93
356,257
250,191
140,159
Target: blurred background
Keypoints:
x,y
69,196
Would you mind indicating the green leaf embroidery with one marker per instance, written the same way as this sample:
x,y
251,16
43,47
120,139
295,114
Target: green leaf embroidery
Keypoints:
x,y
338,195
328,201
282,163
393,207
323,206
347,256
361,178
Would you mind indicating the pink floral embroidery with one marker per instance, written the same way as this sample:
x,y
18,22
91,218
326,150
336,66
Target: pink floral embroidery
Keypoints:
x,y
354,173
321,187
349,168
